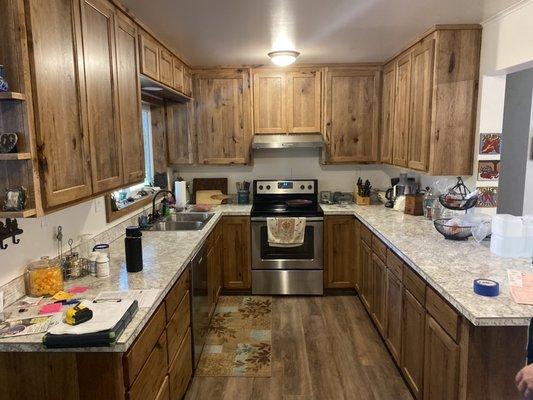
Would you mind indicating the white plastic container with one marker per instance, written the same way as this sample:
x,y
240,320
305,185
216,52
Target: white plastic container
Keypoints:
x,y
507,225
507,246
102,266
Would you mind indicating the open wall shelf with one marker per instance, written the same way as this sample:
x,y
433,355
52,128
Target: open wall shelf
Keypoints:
x,y
12,96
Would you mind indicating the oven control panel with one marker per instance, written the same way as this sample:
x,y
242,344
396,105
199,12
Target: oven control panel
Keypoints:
x,y
285,187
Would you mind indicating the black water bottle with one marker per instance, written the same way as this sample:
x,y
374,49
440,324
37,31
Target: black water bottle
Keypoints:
x,y
134,249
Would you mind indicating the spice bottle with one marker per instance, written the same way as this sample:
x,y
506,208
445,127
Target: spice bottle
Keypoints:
x,y
102,265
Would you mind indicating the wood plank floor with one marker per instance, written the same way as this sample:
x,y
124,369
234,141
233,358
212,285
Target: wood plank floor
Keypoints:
x,y
323,348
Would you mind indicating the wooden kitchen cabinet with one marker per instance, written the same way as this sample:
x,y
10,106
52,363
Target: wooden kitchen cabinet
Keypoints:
x,y
393,310
421,97
400,135
179,135
215,258
129,100
187,82
366,275
387,112
351,119
304,100
237,270
434,110
149,56
413,334
61,130
379,279
166,67
358,273
177,72
340,257
98,24
441,364
287,101
223,116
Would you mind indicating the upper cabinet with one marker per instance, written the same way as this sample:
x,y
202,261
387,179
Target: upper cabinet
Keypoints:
x,y
351,117
434,110
223,115
388,98
56,59
287,101
161,65
179,137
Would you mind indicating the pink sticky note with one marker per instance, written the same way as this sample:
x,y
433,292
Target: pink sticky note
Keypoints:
x,y
78,289
50,308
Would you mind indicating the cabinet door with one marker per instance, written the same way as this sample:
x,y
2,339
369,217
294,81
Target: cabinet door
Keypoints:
x,y
177,71
401,111
180,370
237,264
98,23
441,364
379,271
223,116
352,115
420,112
393,310
340,257
304,101
180,147
129,100
211,268
61,128
358,273
412,359
366,269
387,112
166,68
270,102
149,56
187,82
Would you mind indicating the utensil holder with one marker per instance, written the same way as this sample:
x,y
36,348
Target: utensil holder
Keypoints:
x,y
243,197
362,200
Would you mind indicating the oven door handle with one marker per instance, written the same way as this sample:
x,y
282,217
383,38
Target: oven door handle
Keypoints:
x,y
309,219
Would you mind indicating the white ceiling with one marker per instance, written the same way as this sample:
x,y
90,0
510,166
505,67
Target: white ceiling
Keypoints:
x,y
231,32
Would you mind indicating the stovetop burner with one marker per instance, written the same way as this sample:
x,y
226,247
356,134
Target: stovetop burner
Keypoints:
x,y
270,196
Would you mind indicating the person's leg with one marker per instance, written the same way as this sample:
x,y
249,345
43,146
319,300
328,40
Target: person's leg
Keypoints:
x,y
530,344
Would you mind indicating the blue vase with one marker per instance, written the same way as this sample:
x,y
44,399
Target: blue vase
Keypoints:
x,y
4,87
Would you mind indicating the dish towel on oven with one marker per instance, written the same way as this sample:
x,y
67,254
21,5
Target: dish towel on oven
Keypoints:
x,y
286,232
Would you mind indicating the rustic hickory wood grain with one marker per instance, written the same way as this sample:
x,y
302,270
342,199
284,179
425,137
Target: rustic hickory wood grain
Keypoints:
x,y
387,112
304,101
402,111
339,252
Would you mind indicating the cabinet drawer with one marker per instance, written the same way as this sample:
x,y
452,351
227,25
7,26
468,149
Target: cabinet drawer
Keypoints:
x,y
379,248
152,374
443,313
178,325
180,371
394,263
414,284
366,235
176,293
143,346
164,393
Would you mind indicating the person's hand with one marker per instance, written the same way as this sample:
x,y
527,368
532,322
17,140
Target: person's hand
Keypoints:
x,y
524,382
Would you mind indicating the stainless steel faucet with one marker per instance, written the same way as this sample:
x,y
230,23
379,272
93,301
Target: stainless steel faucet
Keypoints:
x,y
155,214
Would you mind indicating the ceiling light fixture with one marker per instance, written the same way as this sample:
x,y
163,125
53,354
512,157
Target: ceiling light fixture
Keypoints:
x,y
283,57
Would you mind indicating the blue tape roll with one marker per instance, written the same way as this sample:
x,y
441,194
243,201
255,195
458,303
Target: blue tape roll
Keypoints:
x,y
486,287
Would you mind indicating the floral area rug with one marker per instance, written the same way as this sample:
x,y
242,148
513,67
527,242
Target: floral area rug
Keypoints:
x,y
239,339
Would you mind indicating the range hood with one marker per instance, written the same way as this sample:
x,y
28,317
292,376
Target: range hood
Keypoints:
x,y
287,141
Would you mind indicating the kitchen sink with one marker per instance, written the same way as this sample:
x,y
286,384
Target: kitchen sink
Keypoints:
x,y
182,222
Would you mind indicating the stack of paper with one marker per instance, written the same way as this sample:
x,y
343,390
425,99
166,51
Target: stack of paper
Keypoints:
x,y
521,286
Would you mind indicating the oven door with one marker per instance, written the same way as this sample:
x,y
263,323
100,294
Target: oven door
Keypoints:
x,y
310,255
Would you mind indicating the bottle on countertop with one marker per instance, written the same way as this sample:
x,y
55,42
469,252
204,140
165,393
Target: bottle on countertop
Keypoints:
x,y
102,265
429,200
133,247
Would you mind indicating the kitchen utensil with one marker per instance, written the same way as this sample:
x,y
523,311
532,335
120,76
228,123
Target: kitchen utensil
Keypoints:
x,y
208,197
8,141
451,229
243,197
220,184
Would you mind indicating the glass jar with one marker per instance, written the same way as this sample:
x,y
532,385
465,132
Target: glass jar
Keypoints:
x,y
45,277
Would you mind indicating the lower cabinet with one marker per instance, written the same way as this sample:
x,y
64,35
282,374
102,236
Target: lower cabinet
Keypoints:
x,y
180,371
441,363
413,329
379,279
237,272
358,273
393,310
340,254
366,275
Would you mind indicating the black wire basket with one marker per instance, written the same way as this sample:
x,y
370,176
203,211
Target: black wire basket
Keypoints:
x,y
458,198
452,232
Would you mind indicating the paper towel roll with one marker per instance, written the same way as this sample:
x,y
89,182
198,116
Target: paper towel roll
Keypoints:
x,y
180,191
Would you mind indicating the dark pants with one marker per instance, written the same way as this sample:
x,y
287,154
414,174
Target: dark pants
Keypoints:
x,y
530,344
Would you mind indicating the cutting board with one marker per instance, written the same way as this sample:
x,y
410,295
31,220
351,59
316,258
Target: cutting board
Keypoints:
x,y
204,197
209,184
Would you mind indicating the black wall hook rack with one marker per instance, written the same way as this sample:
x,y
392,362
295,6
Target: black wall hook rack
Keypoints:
x,y
9,229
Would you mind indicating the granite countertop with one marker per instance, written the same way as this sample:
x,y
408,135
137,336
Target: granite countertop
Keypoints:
x,y
165,256
449,267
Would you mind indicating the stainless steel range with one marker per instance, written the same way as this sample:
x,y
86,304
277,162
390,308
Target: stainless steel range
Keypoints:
x,y
287,270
